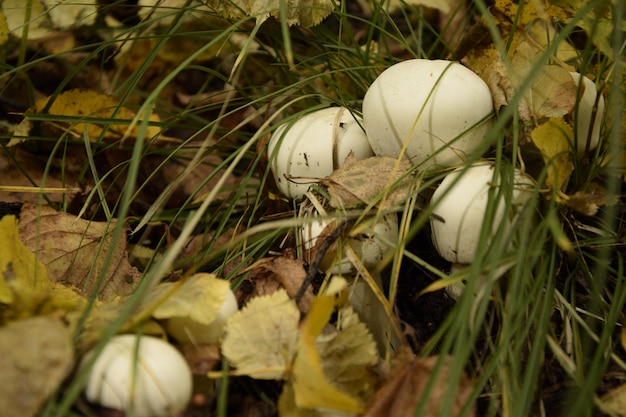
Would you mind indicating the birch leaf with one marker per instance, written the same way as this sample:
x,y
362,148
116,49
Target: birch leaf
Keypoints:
x,y
553,139
260,339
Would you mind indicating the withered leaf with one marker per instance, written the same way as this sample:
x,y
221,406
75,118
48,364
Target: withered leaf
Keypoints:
x,y
589,200
407,388
275,272
299,12
74,251
363,182
79,109
36,355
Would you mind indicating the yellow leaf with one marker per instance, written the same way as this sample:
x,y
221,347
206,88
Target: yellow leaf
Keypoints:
x,y
553,139
260,339
442,5
44,16
104,112
199,298
36,355
24,280
311,386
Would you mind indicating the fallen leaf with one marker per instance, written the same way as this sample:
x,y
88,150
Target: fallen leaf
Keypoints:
x,y
36,355
74,251
552,91
260,339
201,358
311,386
614,402
198,297
44,17
442,5
408,387
378,180
86,110
271,273
589,200
305,13
553,139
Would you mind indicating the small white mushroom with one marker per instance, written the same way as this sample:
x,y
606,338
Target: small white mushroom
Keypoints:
x,y
586,130
370,246
459,208
313,146
142,376
187,330
441,108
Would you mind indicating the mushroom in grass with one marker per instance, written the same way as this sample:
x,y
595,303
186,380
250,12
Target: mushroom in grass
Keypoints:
x,y
313,146
142,376
459,209
439,109
587,114
370,246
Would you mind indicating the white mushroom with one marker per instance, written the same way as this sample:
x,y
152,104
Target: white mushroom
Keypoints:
x,y
370,246
441,108
459,208
142,376
314,146
586,130
187,330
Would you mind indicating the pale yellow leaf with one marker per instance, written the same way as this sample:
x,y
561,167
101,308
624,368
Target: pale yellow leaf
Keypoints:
x,y
199,298
553,139
260,339
312,389
46,16
442,5
36,355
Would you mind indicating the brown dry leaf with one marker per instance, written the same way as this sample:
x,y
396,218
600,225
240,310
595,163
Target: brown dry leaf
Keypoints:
x,y
83,107
306,13
201,358
70,247
589,200
362,182
553,139
402,393
552,91
269,274
36,355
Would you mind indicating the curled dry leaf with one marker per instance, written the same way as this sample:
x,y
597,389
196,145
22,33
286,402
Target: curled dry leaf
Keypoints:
x,y
379,180
36,355
269,274
74,251
408,387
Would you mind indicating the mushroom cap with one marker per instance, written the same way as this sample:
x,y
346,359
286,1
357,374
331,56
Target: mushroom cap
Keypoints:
x,y
152,380
370,246
439,106
583,112
459,206
313,146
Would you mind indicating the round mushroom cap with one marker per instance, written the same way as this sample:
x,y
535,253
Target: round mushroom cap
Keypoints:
x,y
442,108
312,147
459,208
141,375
